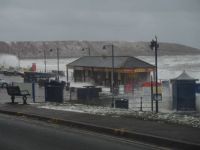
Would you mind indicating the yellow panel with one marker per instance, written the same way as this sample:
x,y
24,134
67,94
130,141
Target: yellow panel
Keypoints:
x,y
159,90
140,70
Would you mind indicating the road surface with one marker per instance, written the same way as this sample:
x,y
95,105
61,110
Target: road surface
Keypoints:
x,y
19,133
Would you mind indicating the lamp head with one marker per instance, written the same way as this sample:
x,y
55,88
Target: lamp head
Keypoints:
x,y
104,47
152,44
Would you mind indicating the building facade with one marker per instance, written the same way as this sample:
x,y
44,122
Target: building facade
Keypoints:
x,y
128,71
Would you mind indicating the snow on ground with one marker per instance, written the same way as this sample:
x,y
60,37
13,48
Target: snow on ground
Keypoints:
x,y
80,84
182,118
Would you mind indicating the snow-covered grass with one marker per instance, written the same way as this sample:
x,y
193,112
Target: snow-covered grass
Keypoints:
x,y
190,119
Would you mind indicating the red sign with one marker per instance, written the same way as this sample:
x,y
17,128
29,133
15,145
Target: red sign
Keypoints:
x,y
148,84
33,67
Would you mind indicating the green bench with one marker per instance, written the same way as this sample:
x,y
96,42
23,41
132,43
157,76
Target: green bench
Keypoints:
x,y
14,91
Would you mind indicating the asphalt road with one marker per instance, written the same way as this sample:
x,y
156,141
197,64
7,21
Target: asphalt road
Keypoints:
x,y
18,133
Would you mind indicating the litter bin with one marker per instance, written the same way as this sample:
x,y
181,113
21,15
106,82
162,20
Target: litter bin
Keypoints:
x,y
54,91
82,93
121,103
87,93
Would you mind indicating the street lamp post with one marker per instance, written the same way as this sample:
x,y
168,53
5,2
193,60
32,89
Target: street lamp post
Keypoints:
x,y
18,55
45,60
58,57
154,45
58,63
87,48
112,73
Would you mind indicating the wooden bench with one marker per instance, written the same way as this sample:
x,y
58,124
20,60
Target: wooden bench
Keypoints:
x,y
14,91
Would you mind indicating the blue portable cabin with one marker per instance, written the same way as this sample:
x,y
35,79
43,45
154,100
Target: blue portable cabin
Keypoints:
x,y
183,92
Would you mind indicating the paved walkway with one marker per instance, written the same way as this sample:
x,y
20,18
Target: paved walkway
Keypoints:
x,y
176,132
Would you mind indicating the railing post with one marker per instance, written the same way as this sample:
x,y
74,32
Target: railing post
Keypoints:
x,y
140,103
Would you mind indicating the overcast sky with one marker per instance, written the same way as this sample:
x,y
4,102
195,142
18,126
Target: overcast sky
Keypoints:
x,y
128,20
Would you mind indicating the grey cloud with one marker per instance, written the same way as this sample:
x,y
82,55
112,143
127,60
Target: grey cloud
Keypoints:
x,y
132,20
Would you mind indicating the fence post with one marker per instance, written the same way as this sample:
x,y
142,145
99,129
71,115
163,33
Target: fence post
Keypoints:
x,y
140,103
33,91
70,94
